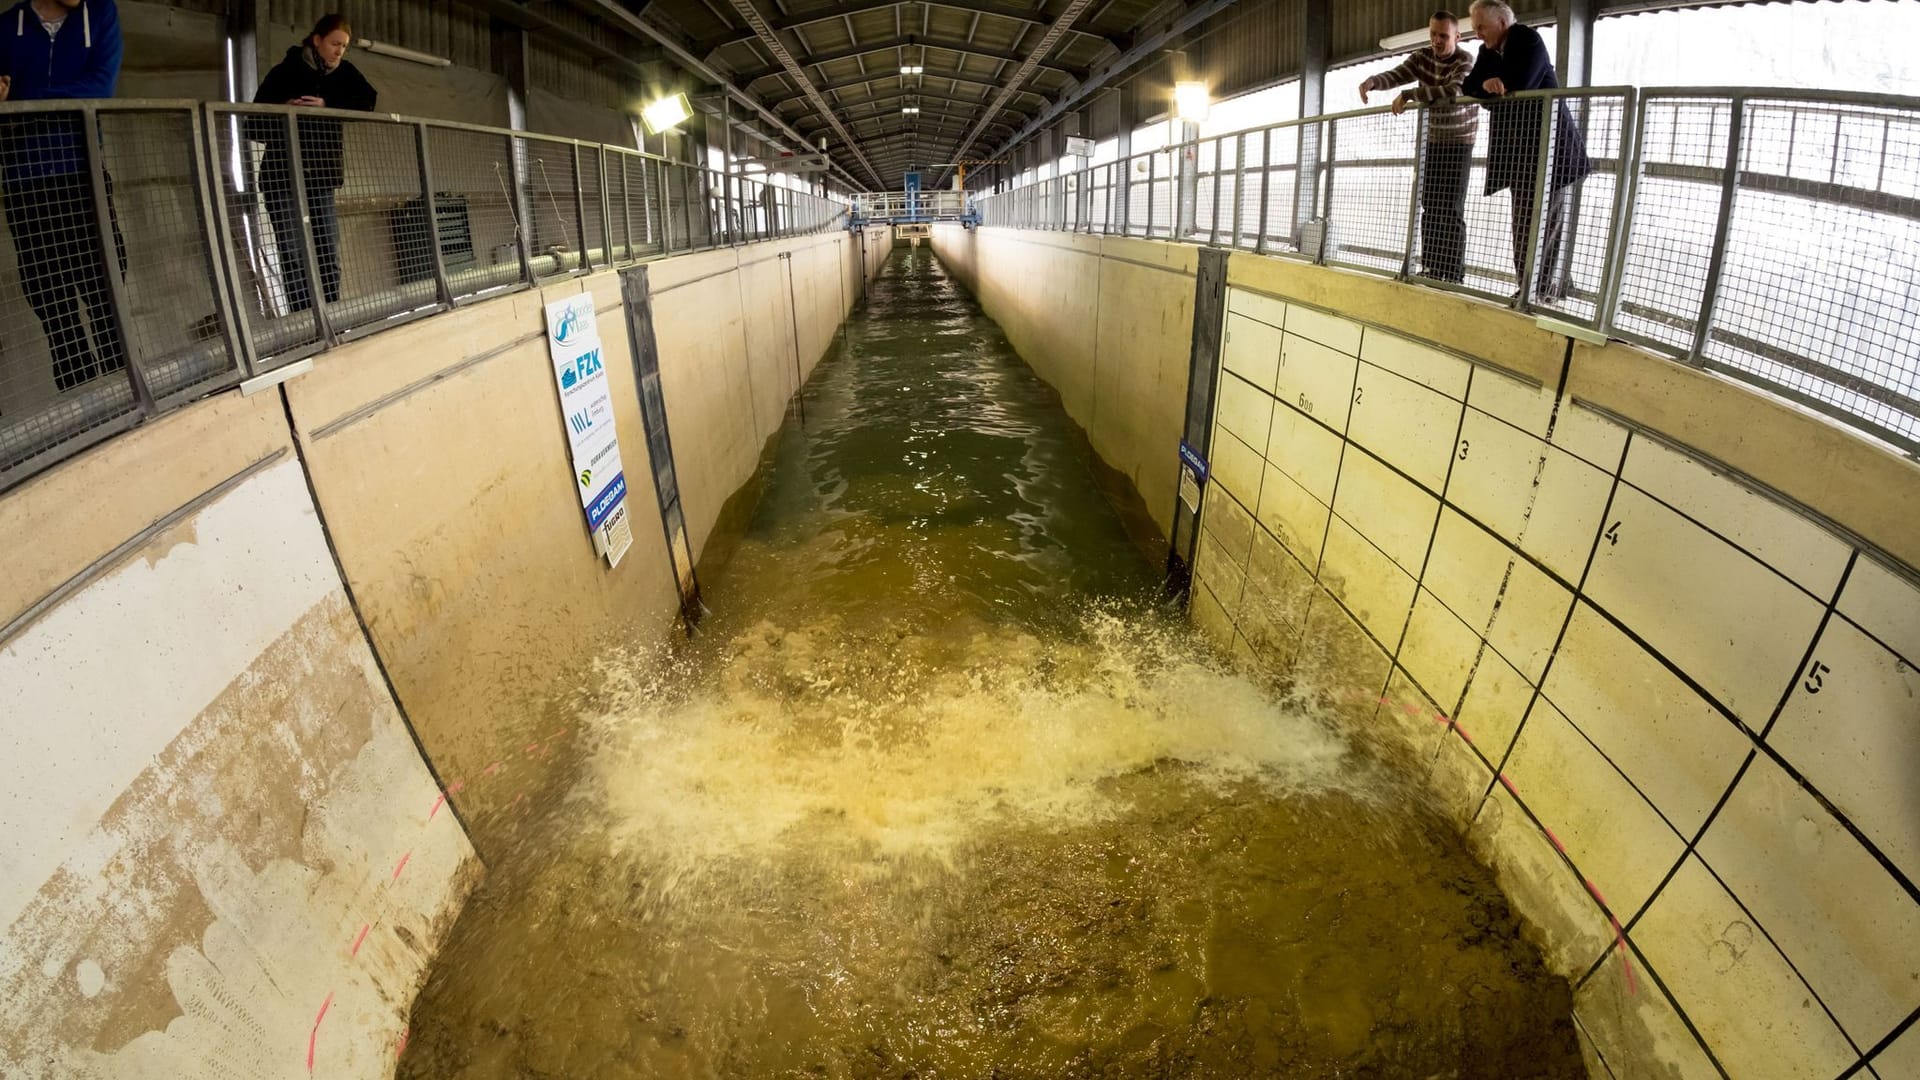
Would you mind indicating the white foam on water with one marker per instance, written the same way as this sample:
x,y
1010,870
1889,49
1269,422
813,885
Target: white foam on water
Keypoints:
x,y
879,748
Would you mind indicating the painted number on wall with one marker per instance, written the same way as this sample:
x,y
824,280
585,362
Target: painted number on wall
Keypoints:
x,y
1816,676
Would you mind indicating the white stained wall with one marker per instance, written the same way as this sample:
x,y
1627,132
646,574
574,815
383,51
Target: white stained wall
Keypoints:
x,y
205,795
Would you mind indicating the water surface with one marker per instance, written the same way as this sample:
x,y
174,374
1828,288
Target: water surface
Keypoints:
x,y
942,789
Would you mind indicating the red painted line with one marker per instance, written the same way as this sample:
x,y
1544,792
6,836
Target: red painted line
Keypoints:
x,y
1595,890
359,940
531,747
314,1036
1462,732
1626,961
1442,718
1508,784
436,805
402,865
1386,701
1557,845
404,1032
491,769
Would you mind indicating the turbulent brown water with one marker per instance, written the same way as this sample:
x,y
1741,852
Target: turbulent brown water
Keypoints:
x,y
941,790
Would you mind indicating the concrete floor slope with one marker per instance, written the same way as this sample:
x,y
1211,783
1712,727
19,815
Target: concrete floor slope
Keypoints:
x,y
1650,636
267,660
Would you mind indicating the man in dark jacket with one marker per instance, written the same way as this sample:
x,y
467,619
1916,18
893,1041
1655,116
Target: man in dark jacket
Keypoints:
x,y
52,50
1512,59
316,74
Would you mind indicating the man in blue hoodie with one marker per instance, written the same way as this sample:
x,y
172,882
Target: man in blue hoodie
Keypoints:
x,y
52,50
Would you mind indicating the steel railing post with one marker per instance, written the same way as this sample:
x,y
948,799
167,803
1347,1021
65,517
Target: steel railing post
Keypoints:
x,y
522,211
316,288
1239,185
1331,137
1420,136
689,191
1542,195
430,203
579,205
110,258
1723,225
1213,217
220,250
1626,182
606,205
1266,175
1153,177
626,202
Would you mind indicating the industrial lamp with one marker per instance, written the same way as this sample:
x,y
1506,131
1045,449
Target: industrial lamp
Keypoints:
x,y
1190,101
667,112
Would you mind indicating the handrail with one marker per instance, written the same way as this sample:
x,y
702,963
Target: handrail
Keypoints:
x,y
171,248
1766,234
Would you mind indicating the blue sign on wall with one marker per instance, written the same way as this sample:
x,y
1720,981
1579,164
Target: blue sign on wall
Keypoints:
x,y
1194,461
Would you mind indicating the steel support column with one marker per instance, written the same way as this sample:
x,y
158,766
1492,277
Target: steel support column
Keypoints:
x,y
245,21
510,60
1573,48
1316,40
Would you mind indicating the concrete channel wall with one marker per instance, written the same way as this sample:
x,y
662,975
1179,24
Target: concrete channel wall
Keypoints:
x,y
1650,636
223,848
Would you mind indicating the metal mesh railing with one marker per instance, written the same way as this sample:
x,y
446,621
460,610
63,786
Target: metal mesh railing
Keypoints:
x,y
155,251
1369,195
1767,234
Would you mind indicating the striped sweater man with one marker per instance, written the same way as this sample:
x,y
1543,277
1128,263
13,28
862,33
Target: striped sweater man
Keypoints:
x,y
1437,78
1438,71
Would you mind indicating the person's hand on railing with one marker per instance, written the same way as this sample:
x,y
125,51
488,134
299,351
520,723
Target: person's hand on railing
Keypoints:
x,y
6,86
309,100
1400,102
1496,86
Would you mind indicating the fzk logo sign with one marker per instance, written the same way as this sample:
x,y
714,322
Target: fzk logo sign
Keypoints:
x,y
584,366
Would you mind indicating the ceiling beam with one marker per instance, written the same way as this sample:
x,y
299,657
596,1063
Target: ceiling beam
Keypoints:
x,y
776,47
1038,53
881,106
865,48
1179,23
882,76
972,7
613,12
865,121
